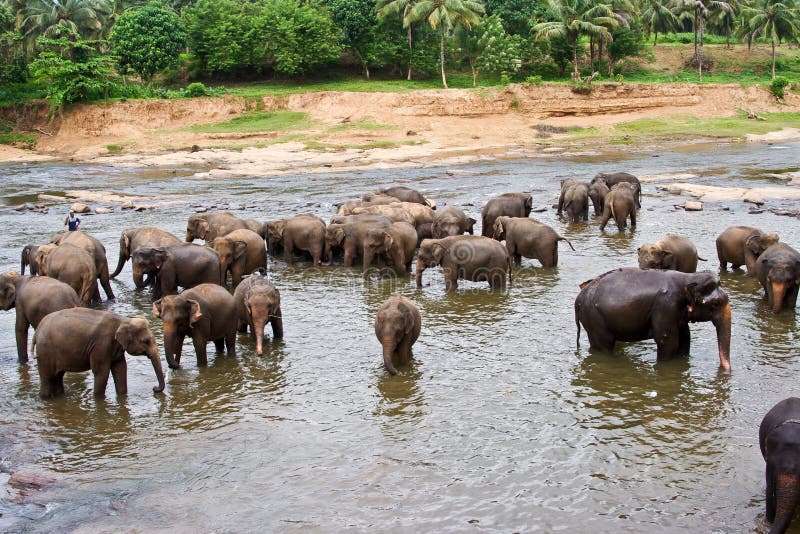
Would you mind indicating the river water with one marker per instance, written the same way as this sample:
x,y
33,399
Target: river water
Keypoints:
x,y
500,424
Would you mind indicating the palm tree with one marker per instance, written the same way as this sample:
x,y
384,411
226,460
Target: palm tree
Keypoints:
x,y
573,19
445,14
402,9
658,17
699,10
778,20
52,18
724,22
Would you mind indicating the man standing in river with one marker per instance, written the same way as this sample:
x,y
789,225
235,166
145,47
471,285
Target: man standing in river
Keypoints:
x,y
72,221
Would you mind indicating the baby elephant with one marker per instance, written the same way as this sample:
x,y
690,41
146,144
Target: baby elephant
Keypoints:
x,y
620,203
258,302
574,199
80,339
779,439
206,312
466,257
742,245
673,253
397,327
529,238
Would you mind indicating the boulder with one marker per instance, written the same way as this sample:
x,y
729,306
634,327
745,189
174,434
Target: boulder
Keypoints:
x,y
104,210
77,207
753,198
692,205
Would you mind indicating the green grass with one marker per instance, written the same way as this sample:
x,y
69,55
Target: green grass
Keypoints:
x,y
361,125
26,139
114,149
258,121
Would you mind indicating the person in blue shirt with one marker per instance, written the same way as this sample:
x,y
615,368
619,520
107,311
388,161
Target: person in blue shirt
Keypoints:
x,y
72,221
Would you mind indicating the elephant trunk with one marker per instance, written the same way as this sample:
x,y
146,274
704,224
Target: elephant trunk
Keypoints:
x,y
259,323
326,254
123,257
777,293
388,343
721,319
155,358
420,269
138,276
787,492
170,347
189,237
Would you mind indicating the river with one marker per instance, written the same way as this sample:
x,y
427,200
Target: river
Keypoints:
x,y
500,425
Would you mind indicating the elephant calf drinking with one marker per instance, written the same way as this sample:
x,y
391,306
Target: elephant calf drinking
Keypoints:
x,y
258,302
397,326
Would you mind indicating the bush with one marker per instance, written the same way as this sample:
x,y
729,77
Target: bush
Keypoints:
x,y
196,89
777,86
533,80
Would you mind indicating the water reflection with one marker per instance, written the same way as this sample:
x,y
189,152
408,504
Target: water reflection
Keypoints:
x,y
401,398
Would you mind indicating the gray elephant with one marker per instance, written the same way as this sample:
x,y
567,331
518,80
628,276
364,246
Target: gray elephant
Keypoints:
x,y
185,265
778,271
574,199
33,297
507,204
206,313
613,178
619,204
395,244
257,303
303,232
598,189
397,326
81,339
209,226
673,253
73,266
95,249
779,440
406,194
241,252
351,235
133,239
28,258
451,220
395,212
257,227
742,245
529,238
474,258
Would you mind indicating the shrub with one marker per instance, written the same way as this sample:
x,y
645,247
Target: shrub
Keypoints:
x,y
777,86
533,80
196,89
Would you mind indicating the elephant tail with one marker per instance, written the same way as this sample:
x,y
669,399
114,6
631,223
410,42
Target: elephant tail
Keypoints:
x,y
562,238
33,346
578,324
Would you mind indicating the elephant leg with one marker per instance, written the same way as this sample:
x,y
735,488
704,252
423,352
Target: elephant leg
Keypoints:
x,y
684,340
21,331
497,279
119,371
46,381
451,280
230,343
242,327
288,250
770,476
667,343
633,218
101,380
600,339
104,281
219,345
277,324
200,349
605,219
791,298
349,254
404,350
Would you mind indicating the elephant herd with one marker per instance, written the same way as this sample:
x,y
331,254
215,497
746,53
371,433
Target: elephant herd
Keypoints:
x,y
385,231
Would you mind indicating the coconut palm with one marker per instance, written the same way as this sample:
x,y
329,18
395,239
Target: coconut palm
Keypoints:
x,y
774,19
658,17
52,18
445,15
400,8
699,11
574,19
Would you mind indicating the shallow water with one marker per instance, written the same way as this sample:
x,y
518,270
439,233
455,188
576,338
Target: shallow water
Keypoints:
x,y
500,424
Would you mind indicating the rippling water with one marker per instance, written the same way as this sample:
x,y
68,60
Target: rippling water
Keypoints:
x,y
500,424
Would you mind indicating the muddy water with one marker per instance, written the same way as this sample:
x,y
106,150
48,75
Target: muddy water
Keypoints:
x,y
501,424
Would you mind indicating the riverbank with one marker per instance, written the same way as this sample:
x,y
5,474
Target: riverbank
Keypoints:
x,y
318,131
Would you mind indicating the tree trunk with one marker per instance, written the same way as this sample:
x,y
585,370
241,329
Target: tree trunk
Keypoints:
x,y
575,74
600,44
410,52
655,41
474,72
773,58
366,70
591,52
699,43
441,55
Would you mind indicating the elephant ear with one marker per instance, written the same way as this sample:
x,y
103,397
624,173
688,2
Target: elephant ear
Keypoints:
x,y
339,235
194,312
437,253
498,229
202,229
754,244
239,249
691,295
126,242
157,308
408,317
388,241
124,335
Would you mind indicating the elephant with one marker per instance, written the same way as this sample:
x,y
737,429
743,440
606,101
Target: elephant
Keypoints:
x,y
33,297
133,239
395,212
673,253
779,440
406,194
614,178
529,238
598,189
257,227
742,245
633,305
351,236
212,225
374,199
451,220
206,312
303,232
81,339
422,214
185,265
508,204
619,204
258,302
28,258
396,243
95,249
474,258
397,326
73,266
778,271
425,231
574,199
240,252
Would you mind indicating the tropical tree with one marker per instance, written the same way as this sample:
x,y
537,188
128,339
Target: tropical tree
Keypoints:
x,y
573,19
658,17
445,15
401,9
775,19
489,49
56,18
699,11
